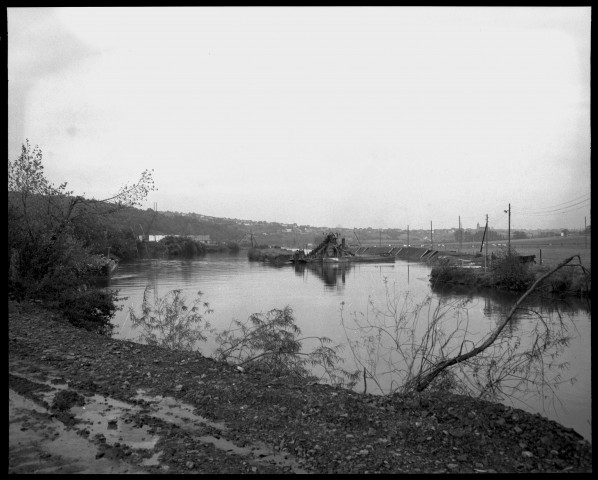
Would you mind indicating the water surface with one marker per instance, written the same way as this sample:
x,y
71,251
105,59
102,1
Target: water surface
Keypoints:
x,y
235,288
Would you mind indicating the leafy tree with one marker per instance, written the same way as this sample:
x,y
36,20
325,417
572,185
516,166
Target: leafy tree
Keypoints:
x,y
49,256
40,204
169,323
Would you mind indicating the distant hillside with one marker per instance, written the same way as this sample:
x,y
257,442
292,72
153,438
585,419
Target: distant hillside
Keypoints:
x,y
148,222
134,222
289,235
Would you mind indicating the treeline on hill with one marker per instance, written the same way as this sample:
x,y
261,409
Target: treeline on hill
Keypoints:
x,y
128,224
54,241
60,243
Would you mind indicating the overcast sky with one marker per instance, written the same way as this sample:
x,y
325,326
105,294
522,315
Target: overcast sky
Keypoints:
x,y
376,117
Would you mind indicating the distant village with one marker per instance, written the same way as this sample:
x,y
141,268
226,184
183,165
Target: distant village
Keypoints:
x,y
250,232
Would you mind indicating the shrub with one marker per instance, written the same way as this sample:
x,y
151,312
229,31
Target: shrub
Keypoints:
x,y
569,282
254,254
509,273
272,342
182,246
91,309
453,274
169,322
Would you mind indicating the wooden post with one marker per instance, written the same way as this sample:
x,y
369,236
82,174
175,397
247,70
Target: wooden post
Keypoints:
x,y
540,256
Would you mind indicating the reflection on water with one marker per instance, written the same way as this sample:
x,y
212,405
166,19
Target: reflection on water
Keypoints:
x,y
237,288
498,303
565,323
332,274
502,300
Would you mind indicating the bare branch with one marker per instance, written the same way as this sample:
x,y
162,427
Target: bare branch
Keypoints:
x,y
422,381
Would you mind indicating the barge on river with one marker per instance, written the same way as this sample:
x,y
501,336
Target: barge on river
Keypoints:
x,y
331,250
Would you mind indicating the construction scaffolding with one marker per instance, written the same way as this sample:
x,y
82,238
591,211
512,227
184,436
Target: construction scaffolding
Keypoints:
x,y
329,249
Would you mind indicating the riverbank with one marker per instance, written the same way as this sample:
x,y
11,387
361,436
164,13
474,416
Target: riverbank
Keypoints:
x,y
471,272
274,255
176,412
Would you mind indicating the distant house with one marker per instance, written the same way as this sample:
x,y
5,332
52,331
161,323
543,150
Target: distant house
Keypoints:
x,y
151,238
201,238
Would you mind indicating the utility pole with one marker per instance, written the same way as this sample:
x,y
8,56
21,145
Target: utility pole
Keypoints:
x,y
488,232
509,247
408,236
460,235
380,237
431,235
585,233
509,229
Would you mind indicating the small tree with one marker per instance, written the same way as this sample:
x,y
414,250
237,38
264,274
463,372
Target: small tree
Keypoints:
x,y
545,340
40,205
272,342
47,258
169,323
430,345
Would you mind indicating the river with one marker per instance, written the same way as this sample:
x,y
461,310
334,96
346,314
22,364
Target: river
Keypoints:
x,y
235,288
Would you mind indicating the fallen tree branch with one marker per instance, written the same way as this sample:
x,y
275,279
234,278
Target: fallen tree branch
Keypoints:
x,y
423,380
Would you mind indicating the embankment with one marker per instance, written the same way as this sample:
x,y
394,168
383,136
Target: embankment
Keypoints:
x,y
222,420
402,253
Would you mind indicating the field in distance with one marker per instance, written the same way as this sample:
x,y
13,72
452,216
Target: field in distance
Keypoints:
x,y
553,249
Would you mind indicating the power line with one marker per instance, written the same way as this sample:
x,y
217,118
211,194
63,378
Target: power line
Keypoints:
x,y
558,206
556,210
553,213
569,208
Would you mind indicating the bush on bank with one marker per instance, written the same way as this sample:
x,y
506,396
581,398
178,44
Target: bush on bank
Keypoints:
x,y
569,282
182,247
507,273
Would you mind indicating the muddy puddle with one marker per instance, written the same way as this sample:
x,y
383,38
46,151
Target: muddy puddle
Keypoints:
x,y
117,423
